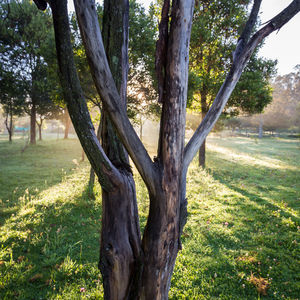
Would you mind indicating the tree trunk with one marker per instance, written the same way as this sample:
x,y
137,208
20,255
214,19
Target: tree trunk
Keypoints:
x,y
40,131
260,128
9,126
67,124
33,123
92,172
120,248
40,124
202,155
122,262
204,110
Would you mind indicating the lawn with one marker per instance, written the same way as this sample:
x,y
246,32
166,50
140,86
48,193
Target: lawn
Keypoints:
x,y
241,240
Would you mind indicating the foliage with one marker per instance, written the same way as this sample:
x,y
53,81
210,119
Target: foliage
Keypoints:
x,y
240,227
26,39
142,95
12,94
283,112
216,28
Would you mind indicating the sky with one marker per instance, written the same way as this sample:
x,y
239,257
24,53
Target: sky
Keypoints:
x,y
283,45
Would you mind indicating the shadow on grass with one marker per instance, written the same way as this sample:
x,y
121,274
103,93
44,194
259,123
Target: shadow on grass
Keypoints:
x,y
244,219
50,247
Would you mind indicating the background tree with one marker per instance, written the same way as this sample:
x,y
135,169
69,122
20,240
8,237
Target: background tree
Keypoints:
x,y
12,98
216,28
164,177
282,113
25,33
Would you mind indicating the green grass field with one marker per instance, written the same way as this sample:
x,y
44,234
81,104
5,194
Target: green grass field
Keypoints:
x,y
241,240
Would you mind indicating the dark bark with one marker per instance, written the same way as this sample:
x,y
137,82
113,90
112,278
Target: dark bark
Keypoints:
x,y
161,236
120,248
107,174
92,39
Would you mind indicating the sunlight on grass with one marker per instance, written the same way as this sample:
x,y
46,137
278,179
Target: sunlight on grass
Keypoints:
x,y
241,240
262,161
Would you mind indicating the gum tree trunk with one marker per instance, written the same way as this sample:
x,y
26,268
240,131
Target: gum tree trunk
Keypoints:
x,y
120,247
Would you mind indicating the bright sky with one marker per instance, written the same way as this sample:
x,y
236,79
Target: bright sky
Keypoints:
x,y
284,45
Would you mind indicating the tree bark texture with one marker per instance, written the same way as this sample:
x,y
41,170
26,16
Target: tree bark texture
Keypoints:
x,y
120,247
161,236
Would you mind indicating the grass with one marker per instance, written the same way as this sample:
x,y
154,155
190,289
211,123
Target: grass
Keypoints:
x,y
241,240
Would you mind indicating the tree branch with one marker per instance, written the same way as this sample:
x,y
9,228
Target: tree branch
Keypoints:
x,y
244,38
161,49
108,175
232,78
92,39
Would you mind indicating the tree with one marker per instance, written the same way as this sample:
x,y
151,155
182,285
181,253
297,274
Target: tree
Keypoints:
x,y
141,268
12,99
216,27
281,113
25,34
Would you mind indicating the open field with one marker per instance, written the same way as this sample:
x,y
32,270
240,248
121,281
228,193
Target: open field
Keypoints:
x,y
241,240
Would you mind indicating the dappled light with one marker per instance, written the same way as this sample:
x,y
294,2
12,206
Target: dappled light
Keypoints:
x,y
241,228
147,153
257,159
